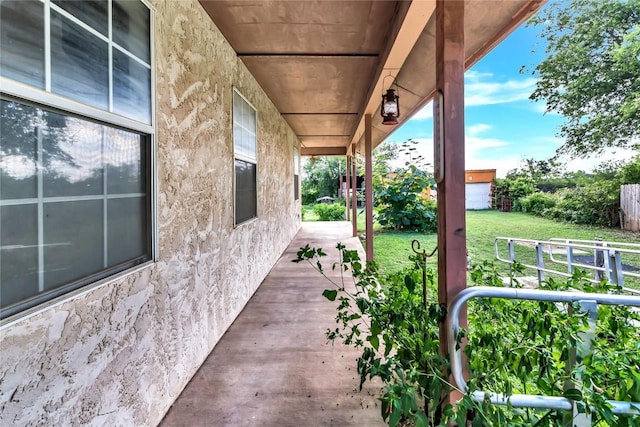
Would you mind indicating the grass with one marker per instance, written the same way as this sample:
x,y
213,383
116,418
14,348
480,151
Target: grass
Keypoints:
x,y
310,215
392,248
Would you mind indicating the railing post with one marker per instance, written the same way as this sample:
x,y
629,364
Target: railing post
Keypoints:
x,y
577,355
569,257
540,262
616,268
598,261
607,262
512,258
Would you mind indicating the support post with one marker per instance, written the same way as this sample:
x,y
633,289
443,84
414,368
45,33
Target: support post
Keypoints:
x,y
598,261
449,151
354,185
540,262
368,186
347,185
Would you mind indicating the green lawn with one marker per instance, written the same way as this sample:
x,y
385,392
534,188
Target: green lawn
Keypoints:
x,y
392,248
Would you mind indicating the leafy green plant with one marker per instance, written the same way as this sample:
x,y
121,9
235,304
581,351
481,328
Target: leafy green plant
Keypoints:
x,y
395,323
537,203
388,324
329,211
401,202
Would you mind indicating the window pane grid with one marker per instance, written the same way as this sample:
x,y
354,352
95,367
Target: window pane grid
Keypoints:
x,y
77,184
14,202
110,37
47,48
106,38
244,128
245,155
76,237
66,83
40,178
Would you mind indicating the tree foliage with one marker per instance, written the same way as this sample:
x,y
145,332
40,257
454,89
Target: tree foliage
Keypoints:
x,y
575,197
402,202
591,74
321,178
330,211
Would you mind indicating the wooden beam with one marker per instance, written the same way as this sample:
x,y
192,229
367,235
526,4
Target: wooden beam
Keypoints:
x,y
347,186
323,151
354,185
450,66
368,185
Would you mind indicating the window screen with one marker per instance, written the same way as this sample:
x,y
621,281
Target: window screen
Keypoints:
x,y
244,143
75,190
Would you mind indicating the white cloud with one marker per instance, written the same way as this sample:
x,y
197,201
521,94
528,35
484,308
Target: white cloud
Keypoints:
x,y
478,129
474,144
540,107
474,156
502,166
425,113
485,89
587,164
424,148
482,89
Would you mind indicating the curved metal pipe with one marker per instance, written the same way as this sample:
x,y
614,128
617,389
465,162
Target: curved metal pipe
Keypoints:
x,y
524,400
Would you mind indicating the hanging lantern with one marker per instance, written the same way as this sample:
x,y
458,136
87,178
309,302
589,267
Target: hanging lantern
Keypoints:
x,y
390,108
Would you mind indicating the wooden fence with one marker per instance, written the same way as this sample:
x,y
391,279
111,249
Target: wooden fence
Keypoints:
x,y
630,207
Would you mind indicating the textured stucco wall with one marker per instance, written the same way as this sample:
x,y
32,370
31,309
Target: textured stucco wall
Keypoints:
x,y
119,354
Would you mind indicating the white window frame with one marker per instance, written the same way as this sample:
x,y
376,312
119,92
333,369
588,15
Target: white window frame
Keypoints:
x,y
243,157
21,92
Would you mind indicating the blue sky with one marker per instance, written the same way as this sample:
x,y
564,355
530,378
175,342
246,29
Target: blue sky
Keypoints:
x,y
502,126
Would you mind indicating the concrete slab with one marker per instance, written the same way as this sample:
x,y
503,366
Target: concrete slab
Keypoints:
x,y
274,367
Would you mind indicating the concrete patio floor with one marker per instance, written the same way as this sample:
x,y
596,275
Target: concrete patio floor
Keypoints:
x,y
273,366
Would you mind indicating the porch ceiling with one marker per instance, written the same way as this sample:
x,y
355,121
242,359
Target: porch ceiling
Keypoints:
x,y
323,63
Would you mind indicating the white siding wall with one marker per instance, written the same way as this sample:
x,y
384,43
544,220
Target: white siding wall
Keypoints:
x,y
478,196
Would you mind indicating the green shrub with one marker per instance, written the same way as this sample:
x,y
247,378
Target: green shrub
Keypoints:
x,y
330,212
536,203
594,204
514,189
309,196
513,347
400,201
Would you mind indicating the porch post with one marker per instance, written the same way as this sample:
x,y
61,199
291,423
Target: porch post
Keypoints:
x,y
354,186
449,154
368,192
347,184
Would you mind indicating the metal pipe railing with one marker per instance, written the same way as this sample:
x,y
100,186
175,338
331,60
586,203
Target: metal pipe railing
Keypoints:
x,y
612,265
612,256
525,400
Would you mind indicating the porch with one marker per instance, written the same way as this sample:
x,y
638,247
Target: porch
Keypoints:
x,y
273,366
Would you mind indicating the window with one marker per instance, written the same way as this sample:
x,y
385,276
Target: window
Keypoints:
x,y
75,189
296,174
244,147
101,62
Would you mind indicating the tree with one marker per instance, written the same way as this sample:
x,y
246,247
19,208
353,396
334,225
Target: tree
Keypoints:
x,y
537,170
382,157
591,74
321,178
401,201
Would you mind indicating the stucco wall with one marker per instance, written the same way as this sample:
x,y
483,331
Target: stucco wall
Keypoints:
x,y
119,354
